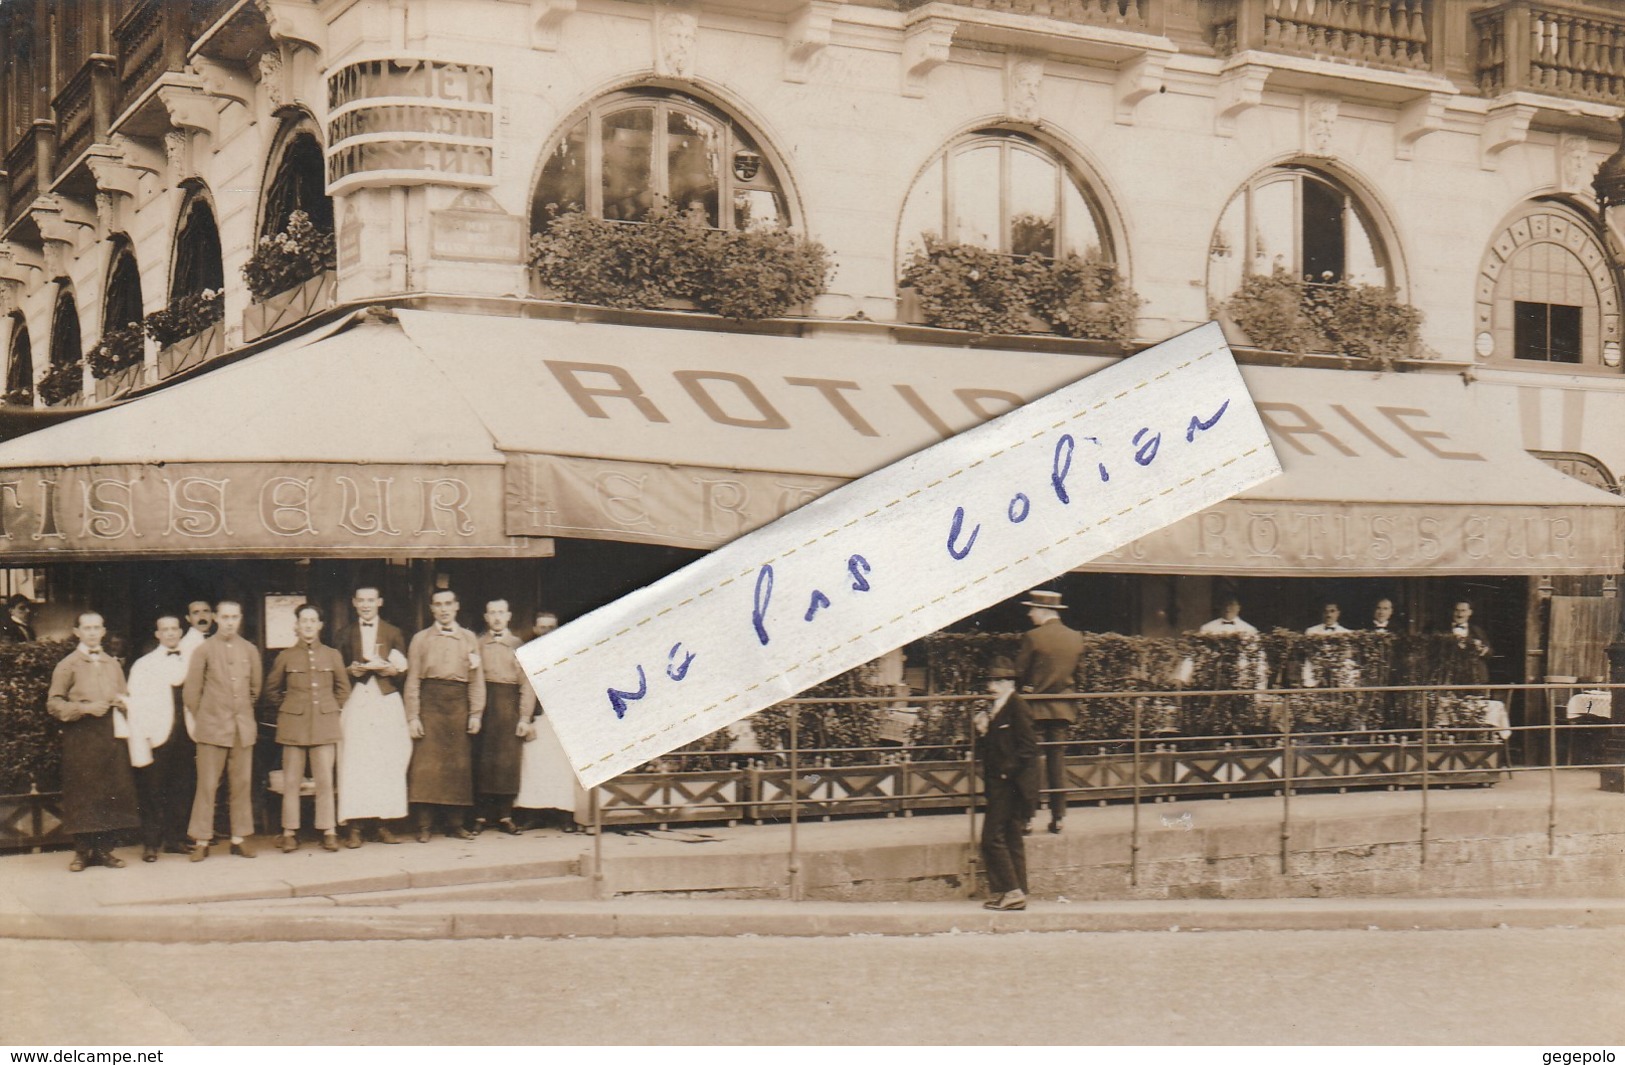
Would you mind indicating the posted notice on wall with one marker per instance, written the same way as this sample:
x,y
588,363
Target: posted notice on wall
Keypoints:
x,y
903,552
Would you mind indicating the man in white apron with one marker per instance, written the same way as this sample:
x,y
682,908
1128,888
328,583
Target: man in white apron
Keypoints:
x,y
376,748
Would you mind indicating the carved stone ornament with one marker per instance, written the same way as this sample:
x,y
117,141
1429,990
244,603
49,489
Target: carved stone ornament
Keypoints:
x,y
106,214
1023,78
1574,167
676,32
273,86
176,144
1319,124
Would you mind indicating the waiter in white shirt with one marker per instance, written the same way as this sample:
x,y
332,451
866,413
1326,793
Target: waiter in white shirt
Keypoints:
x,y
161,750
1328,622
1229,622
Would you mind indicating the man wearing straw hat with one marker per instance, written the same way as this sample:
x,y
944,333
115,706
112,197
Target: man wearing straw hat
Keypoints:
x,y
1048,659
1009,754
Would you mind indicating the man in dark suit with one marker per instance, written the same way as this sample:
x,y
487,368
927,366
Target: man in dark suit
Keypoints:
x,y
1045,666
377,747
16,629
1468,661
1009,754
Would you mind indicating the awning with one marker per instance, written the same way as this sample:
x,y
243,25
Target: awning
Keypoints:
x,y
461,434
353,445
691,438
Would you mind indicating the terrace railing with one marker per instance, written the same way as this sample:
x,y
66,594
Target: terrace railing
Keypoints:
x,y
1142,16
1389,34
1557,49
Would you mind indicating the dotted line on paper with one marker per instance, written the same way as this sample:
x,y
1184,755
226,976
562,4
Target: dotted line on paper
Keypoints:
x,y
922,606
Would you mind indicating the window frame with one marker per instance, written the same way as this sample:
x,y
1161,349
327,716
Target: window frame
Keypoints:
x,y
65,318
663,103
1354,209
1009,141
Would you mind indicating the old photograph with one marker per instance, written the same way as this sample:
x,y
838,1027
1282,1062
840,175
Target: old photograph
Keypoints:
x,y
351,346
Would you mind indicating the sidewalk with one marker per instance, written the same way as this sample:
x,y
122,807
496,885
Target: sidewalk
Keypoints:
x,y
722,880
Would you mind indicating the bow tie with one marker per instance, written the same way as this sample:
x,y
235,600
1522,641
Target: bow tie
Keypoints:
x,y
369,624
1229,622
174,654
447,632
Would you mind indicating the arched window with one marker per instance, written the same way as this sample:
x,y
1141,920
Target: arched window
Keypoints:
x,y
1006,191
123,307
298,182
20,364
1298,221
634,152
1546,293
66,347
197,252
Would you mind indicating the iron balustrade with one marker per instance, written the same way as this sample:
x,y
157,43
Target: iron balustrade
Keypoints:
x,y
1427,756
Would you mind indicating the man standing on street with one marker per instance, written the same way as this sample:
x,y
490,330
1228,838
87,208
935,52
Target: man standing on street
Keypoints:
x,y
307,686
377,747
510,703
1046,664
160,749
1009,755
98,788
222,685
445,698
199,620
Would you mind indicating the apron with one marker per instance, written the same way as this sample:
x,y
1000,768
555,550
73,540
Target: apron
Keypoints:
x,y
498,742
373,755
442,769
98,785
546,781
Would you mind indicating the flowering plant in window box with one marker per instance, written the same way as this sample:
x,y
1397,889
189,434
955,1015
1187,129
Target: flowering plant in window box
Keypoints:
x,y
289,258
744,274
62,382
1281,312
186,316
966,286
118,349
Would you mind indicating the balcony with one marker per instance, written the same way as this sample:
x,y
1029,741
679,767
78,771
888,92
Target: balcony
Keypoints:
x,y
1565,50
84,110
1139,16
152,41
1380,34
30,166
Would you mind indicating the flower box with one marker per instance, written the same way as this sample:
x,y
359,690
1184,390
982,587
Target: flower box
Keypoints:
x,y
285,308
191,352
120,381
62,385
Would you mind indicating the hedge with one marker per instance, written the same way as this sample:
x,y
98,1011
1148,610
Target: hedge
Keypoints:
x,y
30,738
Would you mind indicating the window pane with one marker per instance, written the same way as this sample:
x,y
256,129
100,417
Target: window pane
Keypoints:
x,y
1228,249
1565,333
628,143
1322,231
1361,264
1080,233
976,196
922,211
693,153
564,179
1529,330
1032,204
1273,244
758,209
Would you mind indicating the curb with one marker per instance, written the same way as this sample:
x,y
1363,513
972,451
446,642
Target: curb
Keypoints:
x,y
636,919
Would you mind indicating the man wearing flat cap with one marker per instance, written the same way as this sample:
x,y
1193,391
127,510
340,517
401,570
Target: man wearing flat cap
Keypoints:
x,y
1008,748
1045,666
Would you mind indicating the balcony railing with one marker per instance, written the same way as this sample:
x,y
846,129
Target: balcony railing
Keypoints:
x,y
84,109
1389,34
1557,49
152,40
1142,16
30,166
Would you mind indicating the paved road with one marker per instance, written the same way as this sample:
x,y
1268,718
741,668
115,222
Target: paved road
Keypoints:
x,y
1556,987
